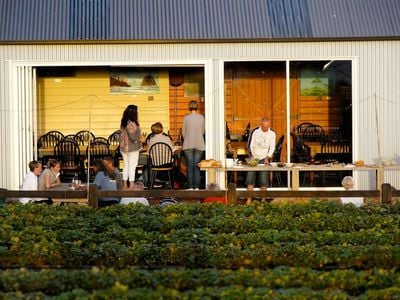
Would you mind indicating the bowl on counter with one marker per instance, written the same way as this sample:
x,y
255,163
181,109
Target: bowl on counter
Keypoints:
x,y
289,165
273,164
386,162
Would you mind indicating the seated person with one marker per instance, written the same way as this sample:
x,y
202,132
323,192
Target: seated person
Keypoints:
x,y
138,187
107,177
50,177
158,136
348,184
31,180
261,146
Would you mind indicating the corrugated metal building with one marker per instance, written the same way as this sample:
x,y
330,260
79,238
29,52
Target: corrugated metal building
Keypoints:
x,y
204,33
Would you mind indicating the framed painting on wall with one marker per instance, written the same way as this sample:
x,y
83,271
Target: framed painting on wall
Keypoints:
x,y
134,81
194,83
314,82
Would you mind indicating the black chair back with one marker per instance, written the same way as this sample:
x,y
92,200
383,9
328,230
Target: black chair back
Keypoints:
x,y
113,138
74,138
332,152
68,154
50,139
276,156
313,133
302,127
301,152
98,150
101,140
161,156
86,136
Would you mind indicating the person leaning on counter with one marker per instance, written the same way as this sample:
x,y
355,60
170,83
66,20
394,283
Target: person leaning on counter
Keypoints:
x,y
261,146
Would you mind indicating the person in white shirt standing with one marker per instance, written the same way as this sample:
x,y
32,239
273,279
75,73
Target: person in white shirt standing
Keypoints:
x,y
261,146
31,180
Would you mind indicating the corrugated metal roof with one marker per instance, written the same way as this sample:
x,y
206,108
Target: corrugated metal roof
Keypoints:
x,y
355,18
96,20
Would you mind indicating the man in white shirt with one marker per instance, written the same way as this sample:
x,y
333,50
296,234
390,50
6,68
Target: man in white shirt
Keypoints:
x,y
261,146
31,180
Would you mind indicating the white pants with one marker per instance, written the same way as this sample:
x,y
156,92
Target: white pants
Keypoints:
x,y
130,163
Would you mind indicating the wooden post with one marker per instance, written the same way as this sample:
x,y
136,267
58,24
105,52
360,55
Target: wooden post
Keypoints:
x,y
232,198
93,196
295,179
386,193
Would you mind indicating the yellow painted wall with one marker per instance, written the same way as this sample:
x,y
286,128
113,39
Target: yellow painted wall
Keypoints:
x,y
71,104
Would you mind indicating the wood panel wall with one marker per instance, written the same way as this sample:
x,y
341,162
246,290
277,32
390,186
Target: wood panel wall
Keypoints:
x,y
325,111
253,92
256,90
178,103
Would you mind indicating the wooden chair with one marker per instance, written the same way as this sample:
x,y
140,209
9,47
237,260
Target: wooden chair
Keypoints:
x,y
113,140
101,140
335,152
97,150
302,127
301,152
161,159
86,136
68,154
75,138
49,139
46,142
313,133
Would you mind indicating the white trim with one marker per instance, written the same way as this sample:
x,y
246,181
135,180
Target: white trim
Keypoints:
x,y
130,63
34,114
288,113
355,117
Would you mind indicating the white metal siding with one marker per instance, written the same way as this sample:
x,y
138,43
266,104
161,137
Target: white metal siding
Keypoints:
x,y
377,76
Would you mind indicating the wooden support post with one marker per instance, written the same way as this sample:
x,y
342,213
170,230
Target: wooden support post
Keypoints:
x,y
232,198
93,196
386,193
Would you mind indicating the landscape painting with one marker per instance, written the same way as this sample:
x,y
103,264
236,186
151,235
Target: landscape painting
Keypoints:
x,y
314,82
134,81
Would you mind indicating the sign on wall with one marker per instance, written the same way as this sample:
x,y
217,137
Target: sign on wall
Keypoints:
x,y
134,81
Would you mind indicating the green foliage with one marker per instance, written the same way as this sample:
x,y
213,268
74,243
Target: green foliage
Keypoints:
x,y
317,250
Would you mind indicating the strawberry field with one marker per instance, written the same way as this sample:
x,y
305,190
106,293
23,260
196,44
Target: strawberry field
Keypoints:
x,y
263,251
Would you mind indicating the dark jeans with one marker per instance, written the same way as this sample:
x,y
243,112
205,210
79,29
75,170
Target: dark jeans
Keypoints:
x,y
193,157
263,178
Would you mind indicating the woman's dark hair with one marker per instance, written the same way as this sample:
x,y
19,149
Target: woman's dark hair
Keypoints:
x,y
109,172
98,163
130,114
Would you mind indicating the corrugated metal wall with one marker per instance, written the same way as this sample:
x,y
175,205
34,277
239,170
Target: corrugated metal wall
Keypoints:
x,y
376,79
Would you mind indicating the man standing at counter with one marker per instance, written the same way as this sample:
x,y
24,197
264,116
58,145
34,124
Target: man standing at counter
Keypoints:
x,y
261,146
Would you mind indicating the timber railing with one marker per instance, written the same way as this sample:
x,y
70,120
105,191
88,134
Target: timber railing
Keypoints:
x,y
232,195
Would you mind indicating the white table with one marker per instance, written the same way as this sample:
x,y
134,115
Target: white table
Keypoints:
x,y
296,169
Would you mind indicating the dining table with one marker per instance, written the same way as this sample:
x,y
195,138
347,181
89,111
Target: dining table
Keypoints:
x,y
79,193
49,151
